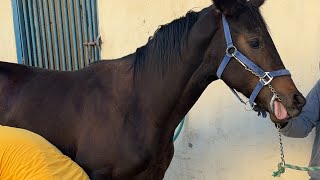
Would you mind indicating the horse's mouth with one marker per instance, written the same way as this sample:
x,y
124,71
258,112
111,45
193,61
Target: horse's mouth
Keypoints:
x,y
278,112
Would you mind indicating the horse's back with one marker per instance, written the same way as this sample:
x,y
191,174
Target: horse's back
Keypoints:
x,y
33,98
80,112
58,105
7,67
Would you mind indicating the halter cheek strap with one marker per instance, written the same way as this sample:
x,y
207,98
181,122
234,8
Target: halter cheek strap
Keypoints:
x,y
265,78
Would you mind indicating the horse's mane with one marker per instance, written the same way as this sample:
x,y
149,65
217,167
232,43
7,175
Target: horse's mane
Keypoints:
x,y
163,49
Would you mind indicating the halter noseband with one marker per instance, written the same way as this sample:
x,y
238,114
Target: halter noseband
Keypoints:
x,y
265,78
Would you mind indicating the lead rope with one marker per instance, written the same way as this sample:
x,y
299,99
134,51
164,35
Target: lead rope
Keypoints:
x,y
176,135
282,165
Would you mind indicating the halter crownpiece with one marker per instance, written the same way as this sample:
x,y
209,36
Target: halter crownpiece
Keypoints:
x,y
265,78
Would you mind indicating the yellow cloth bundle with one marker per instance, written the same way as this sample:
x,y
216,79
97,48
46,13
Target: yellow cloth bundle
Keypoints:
x,y
25,155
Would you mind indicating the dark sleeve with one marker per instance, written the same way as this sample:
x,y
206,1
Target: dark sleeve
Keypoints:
x,y
302,125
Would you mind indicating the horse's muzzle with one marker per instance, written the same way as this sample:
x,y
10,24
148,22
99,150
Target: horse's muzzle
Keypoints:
x,y
291,105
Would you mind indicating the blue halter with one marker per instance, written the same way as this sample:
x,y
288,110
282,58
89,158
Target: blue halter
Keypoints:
x,y
264,77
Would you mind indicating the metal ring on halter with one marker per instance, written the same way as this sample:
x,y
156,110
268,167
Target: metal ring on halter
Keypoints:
x,y
231,48
231,52
271,103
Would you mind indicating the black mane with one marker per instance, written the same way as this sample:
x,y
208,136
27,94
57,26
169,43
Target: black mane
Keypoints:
x,y
163,49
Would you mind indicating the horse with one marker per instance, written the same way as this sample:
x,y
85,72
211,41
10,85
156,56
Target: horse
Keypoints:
x,y
117,118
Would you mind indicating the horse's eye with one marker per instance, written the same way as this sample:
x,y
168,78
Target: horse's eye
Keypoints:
x,y
255,43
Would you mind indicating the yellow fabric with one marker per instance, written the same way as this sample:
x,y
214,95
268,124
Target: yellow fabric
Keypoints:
x,y
27,156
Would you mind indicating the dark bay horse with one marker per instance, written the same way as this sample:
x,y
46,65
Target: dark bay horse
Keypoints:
x,y
116,118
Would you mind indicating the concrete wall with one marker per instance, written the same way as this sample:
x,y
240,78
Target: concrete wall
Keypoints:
x,y
126,25
7,38
220,139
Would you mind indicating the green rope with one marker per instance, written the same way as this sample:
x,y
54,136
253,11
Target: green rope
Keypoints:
x,y
316,168
281,169
176,135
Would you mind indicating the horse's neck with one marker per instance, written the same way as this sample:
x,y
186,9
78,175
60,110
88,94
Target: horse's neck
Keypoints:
x,y
195,87
165,98
159,94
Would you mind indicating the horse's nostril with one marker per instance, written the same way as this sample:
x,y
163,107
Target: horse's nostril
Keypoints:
x,y
298,100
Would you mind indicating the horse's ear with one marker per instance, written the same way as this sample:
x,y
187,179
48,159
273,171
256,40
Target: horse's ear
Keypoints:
x,y
227,7
257,3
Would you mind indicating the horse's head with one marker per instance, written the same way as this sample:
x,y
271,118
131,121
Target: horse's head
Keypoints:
x,y
244,64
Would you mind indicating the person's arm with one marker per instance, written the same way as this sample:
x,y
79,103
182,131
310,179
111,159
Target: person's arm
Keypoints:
x,y
301,126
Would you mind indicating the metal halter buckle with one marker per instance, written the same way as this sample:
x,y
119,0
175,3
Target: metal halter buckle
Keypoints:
x,y
231,50
266,79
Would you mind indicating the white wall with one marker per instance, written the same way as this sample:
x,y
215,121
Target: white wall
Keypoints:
x,y
220,139
7,38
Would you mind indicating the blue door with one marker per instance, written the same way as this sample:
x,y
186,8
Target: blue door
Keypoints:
x,y
56,34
